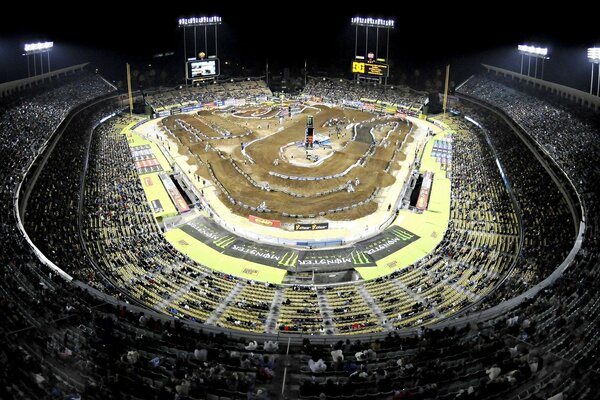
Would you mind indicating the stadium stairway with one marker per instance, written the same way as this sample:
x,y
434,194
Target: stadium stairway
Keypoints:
x,y
416,296
182,291
271,323
216,314
460,289
373,306
326,312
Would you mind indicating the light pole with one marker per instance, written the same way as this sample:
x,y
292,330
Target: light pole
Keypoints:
x,y
535,52
522,56
377,24
594,58
31,49
195,22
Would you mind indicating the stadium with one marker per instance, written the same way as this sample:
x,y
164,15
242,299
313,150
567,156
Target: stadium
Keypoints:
x,y
220,239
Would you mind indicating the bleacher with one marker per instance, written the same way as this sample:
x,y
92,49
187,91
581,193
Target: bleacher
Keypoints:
x,y
340,90
180,96
60,340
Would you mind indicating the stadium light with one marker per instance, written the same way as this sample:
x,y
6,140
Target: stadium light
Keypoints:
x,y
199,21
533,51
31,49
38,47
594,57
195,22
594,54
373,22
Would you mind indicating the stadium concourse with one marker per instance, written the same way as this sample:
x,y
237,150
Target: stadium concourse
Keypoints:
x,y
97,304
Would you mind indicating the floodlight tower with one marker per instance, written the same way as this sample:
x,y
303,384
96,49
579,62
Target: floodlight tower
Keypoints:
x,y
378,67
195,22
535,52
594,58
31,49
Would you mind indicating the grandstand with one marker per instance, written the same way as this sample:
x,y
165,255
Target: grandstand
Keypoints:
x,y
166,99
139,264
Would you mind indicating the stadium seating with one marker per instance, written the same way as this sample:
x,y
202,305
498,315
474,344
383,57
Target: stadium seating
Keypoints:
x,y
182,96
65,339
341,91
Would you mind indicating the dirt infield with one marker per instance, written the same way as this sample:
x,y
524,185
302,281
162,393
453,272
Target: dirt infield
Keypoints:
x,y
363,161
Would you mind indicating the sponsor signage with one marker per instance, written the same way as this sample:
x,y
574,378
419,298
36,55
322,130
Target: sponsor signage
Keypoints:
x,y
318,226
370,68
163,113
274,223
362,254
191,108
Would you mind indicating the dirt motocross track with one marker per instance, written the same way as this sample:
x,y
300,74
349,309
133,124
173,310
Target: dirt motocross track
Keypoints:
x,y
259,128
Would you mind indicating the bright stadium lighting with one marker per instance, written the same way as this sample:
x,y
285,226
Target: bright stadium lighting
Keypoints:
x,y
373,22
537,53
199,21
36,47
533,51
594,54
33,49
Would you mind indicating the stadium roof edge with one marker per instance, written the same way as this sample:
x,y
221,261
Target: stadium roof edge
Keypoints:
x,y
8,88
575,95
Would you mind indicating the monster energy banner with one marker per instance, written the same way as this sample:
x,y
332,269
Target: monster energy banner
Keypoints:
x,y
318,226
387,242
212,235
362,254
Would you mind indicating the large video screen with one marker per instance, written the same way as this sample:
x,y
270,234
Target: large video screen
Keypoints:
x,y
203,68
370,68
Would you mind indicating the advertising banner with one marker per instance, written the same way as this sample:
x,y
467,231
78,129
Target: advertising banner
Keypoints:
x,y
318,226
274,223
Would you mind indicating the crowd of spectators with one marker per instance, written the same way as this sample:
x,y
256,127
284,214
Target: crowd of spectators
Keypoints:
x,y
123,240
60,341
545,212
203,93
51,216
341,90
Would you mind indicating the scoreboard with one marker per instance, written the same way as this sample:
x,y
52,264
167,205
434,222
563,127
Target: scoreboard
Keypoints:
x,y
202,68
373,69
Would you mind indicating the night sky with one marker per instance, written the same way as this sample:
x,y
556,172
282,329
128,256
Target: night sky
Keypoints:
x,y
286,33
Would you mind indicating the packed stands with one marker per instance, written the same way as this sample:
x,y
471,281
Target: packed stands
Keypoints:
x,y
202,93
341,90
121,233
64,339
